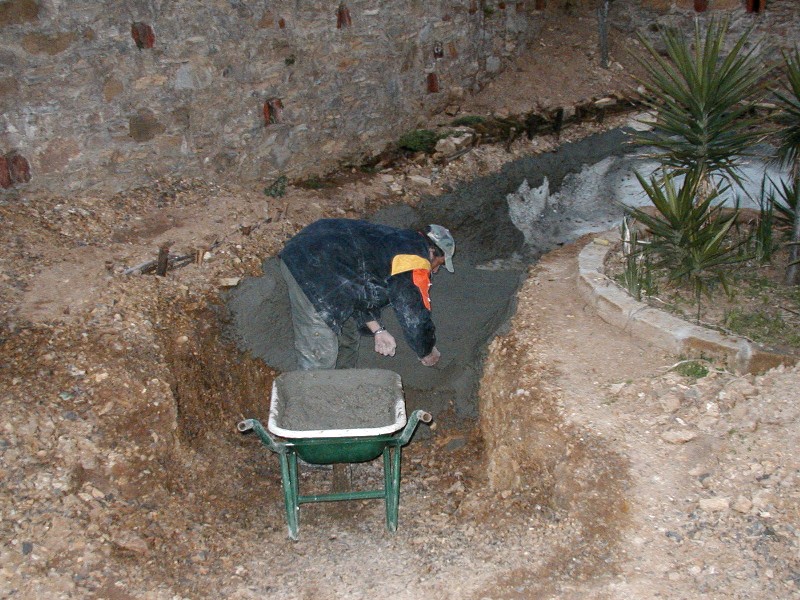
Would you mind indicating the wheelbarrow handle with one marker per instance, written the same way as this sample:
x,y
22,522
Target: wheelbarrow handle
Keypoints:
x,y
411,425
255,426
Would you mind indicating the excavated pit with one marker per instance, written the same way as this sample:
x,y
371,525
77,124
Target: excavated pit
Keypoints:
x,y
566,486
503,224
497,238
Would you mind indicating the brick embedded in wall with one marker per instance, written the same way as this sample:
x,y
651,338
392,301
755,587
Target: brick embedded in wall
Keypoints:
x,y
273,110
143,35
433,83
14,169
343,17
19,167
5,174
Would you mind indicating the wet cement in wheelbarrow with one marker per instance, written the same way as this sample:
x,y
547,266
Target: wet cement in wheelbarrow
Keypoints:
x,y
332,401
474,304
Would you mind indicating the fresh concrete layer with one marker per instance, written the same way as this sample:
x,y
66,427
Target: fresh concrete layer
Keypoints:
x,y
469,306
662,329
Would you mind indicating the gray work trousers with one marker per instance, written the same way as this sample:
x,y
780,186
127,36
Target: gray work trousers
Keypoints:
x,y
316,345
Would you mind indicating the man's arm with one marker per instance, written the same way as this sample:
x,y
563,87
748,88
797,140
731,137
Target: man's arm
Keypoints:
x,y
414,316
384,341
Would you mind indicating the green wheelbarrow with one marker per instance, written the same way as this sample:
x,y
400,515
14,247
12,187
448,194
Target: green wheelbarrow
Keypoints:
x,y
338,416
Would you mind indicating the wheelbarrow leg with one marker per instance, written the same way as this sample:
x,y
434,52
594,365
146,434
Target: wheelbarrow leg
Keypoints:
x,y
288,460
391,466
290,490
391,476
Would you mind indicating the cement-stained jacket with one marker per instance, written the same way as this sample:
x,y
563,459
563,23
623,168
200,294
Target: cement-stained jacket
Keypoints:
x,y
350,268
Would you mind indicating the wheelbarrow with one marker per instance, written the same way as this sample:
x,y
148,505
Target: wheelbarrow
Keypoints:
x,y
338,416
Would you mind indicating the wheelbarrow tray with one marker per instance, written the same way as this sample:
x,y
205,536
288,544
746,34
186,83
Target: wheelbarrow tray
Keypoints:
x,y
332,416
325,451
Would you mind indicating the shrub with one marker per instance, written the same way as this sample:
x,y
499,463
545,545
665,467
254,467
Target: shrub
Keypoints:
x,y
688,236
691,368
788,153
419,140
703,99
468,121
278,188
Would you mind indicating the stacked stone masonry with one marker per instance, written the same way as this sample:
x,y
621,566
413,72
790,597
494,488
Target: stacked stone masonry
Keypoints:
x,y
108,95
97,94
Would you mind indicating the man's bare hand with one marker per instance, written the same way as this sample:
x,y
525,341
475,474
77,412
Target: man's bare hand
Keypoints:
x,y
385,343
432,358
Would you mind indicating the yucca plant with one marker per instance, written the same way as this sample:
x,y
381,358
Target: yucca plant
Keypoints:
x,y
703,99
788,153
783,198
689,236
763,238
631,277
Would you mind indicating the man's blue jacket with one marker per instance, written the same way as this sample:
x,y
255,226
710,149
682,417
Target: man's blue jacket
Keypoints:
x,y
349,268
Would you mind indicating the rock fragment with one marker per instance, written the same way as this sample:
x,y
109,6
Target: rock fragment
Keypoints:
x,y
678,436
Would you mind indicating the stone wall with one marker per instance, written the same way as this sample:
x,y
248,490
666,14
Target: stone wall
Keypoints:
x,y
700,5
110,94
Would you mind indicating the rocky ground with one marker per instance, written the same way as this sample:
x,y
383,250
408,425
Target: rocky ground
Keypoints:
x,y
595,470
694,460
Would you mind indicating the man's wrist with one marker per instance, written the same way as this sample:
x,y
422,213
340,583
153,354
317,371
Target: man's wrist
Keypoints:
x,y
379,330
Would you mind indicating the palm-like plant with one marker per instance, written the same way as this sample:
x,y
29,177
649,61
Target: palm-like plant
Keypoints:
x,y
689,236
703,100
783,198
763,238
788,153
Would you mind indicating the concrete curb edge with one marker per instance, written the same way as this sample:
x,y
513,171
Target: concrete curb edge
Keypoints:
x,y
663,330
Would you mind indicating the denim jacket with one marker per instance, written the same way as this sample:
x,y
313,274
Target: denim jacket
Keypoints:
x,y
350,268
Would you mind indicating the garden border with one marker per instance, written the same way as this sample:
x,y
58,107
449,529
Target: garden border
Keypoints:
x,y
663,330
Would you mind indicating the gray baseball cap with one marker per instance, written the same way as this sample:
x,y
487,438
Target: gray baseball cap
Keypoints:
x,y
441,237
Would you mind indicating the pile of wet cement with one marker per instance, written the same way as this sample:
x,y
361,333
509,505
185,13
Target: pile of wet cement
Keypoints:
x,y
335,400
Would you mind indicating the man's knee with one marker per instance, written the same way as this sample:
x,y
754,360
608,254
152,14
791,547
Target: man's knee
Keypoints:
x,y
316,360
316,349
